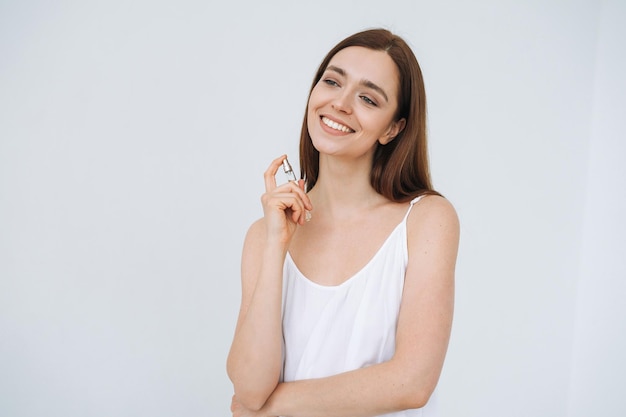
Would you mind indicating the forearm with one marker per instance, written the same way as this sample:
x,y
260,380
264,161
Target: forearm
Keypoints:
x,y
370,391
255,358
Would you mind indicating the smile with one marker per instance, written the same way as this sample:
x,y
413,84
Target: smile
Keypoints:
x,y
335,125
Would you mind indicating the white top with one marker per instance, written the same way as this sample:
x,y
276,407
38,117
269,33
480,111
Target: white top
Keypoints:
x,y
332,329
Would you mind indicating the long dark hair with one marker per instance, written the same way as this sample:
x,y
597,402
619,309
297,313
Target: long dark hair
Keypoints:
x,y
400,169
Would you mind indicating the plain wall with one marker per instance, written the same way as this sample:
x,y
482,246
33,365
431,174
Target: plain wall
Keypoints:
x,y
598,372
133,138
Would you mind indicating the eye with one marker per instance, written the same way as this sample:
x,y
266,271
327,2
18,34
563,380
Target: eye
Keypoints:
x,y
331,82
369,101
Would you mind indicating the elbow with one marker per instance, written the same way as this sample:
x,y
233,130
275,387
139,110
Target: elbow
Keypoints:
x,y
416,400
250,396
251,391
415,394
250,401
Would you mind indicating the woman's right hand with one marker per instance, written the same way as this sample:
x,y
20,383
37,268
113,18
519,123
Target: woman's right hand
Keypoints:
x,y
284,206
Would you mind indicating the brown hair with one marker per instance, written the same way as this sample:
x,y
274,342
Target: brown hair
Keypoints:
x,y
400,169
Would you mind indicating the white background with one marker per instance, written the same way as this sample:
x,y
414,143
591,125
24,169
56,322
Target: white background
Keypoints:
x,y
133,138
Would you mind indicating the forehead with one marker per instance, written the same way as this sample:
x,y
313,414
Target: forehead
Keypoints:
x,y
367,64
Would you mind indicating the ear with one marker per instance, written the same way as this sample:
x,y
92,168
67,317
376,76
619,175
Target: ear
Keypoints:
x,y
393,131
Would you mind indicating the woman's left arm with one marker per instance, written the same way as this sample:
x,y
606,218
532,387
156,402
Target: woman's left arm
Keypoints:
x,y
408,379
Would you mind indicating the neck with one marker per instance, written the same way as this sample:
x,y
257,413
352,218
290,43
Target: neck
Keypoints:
x,y
343,186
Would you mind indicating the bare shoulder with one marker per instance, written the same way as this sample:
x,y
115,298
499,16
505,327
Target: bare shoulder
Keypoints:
x,y
433,211
254,240
256,231
433,226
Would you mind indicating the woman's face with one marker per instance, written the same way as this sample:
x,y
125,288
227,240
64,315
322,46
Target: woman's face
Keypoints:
x,y
353,105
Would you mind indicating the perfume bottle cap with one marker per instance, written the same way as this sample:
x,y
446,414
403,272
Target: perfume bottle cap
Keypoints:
x,y
286,166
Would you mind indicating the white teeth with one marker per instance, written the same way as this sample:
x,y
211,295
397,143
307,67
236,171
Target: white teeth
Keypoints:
x,y
336,125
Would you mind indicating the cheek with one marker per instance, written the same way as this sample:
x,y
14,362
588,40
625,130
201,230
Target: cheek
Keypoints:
x,y
379,125
315,97
312,106
310,114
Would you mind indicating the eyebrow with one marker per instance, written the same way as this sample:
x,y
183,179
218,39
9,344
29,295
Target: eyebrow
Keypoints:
x,y
366,83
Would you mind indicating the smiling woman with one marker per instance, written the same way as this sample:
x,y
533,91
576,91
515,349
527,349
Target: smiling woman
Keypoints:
x,y
349,314
348,104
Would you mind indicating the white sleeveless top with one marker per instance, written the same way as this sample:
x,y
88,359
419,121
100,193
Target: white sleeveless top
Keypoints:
x,y
332,329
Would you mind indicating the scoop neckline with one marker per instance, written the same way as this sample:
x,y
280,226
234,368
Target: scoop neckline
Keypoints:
x,y
354,276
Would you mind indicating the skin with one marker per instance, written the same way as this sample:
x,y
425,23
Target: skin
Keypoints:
x,y
349,224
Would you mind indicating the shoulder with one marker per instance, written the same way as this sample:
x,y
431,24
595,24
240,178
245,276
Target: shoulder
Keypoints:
x,y
433,210
256,229
255,236
433,221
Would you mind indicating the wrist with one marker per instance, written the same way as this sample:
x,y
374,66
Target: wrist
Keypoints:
x,y
275,249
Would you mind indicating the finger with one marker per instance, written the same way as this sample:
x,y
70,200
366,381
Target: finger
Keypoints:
x,y
288,203
299,214
305,196
296,208
296,188
270,173
270,181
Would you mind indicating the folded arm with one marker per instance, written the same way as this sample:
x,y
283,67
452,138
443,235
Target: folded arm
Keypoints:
x,y
408,379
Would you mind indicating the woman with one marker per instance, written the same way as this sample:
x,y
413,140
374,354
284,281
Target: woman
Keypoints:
x,y
349,314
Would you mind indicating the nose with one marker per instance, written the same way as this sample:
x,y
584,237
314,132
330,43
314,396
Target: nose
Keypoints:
x,y
342,102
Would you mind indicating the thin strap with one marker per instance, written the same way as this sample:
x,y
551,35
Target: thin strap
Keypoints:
x,y
415,200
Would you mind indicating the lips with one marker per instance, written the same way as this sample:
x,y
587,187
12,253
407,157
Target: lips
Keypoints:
x,y
336,126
